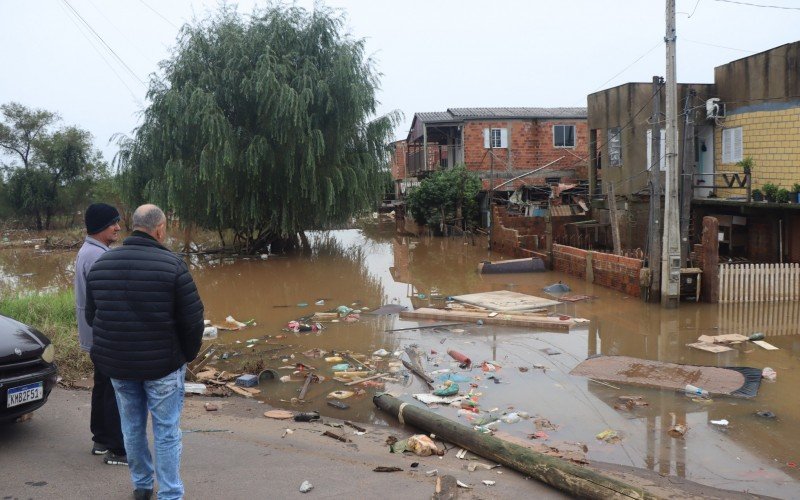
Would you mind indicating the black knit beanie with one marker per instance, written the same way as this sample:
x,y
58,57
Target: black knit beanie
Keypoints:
x,y
99,216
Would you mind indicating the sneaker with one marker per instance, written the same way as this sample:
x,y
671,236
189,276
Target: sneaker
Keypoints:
x,y
142,494
112,458
99,449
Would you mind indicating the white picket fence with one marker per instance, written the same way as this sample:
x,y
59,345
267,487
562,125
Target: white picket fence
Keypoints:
x,y
759,282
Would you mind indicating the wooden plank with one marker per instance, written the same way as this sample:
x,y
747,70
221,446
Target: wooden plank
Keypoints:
x,y
501,319
504,300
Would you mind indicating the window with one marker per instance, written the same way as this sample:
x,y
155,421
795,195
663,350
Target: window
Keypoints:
x,y
615,147
662,151
564,136
732,145
495,138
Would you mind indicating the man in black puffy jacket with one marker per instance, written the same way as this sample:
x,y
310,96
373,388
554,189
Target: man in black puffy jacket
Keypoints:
x,y
147,323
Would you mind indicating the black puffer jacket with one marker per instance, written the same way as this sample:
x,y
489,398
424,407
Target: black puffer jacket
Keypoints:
x,y
144,309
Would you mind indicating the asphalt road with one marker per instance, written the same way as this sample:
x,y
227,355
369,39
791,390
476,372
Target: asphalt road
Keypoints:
x,y
48,457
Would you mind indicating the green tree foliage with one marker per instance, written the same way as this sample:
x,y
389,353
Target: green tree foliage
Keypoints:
x,y
47,172
261,125
446,197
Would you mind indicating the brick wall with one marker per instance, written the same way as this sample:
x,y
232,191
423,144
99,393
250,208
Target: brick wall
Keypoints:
x,y
609,270
772,138
519,237
398,161
530,145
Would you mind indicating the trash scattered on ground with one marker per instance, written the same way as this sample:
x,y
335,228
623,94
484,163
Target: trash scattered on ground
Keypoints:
x,y
381,353
765,345
337,437
358,428
338,405
766,414
387,469
609,436
233,324
306,487
431,473
714,348
308,416
769,374
677,430
210,407
423,446
691,390
431,399
464,361
449,388
721,423
557,288
575,298
247,380
550,351
287,432
194,388
543,423
463,485
340,394
279,414
210,333
488,482
473,466
538,435
630,402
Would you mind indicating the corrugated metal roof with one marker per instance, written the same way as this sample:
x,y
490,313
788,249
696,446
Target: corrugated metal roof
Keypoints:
x,y
460,114
435,116
471,113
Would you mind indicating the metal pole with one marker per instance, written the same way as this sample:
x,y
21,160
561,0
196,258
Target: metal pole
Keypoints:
x,y
528,173
671,253
654,227
687,170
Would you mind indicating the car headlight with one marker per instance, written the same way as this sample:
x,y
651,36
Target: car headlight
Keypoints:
x,y
49,354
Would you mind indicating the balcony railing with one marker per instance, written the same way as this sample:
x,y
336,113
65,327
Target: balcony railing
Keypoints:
x,y
436,157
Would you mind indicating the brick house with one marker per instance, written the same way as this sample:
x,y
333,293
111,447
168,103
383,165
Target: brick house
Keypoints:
x,y
752,109
499,144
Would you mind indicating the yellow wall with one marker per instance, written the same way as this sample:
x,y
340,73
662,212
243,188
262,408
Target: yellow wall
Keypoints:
x,y
772,138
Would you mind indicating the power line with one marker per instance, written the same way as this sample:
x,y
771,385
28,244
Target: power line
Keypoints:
x,y
158,14
780,7
100,53
718,46
107,46
654,47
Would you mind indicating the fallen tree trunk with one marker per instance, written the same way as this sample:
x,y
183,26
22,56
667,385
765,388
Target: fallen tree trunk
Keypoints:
x,y
572,479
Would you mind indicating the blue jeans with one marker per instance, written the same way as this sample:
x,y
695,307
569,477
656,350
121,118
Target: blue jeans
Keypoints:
x,y
163,398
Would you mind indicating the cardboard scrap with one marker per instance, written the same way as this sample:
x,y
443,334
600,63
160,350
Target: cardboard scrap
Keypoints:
x,y
710,347
765,345
730,338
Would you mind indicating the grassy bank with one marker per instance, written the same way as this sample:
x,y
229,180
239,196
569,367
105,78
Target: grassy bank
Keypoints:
x,y
54,315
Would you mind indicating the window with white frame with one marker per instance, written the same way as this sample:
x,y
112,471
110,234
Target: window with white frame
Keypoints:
x,y
615,147
495,138
564,136
662,150
732,145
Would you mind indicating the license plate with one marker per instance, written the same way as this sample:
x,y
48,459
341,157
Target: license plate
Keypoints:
x,y
24,394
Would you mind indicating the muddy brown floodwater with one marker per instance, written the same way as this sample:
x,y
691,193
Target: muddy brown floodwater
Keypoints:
x,y
371,267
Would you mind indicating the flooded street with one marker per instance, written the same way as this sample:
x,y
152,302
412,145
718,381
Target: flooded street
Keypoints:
x,y
374,267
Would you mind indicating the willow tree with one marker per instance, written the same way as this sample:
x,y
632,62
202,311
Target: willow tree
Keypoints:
x,y
264,125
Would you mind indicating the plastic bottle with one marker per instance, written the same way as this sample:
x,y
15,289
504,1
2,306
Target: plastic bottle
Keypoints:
x,y
696,391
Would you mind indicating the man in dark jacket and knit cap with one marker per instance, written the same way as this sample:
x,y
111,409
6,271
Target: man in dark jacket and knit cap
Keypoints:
x,y
102,229
147,322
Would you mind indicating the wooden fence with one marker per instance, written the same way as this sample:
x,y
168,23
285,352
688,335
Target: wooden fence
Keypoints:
x,y
759,282
771,318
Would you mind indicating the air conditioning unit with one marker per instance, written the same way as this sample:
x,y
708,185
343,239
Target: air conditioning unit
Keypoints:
x,y
715,109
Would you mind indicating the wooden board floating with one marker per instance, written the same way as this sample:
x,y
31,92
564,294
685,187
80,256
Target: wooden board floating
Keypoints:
x,y
507,319
504,300
647,373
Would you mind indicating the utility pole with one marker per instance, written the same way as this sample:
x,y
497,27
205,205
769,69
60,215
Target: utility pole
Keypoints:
x,y
687,169
654,226
491,188
671,253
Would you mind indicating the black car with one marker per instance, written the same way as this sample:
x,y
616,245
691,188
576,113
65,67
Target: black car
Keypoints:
x,y
27,369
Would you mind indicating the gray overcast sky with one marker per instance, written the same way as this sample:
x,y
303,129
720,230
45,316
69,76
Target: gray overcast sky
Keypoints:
x,y
433,54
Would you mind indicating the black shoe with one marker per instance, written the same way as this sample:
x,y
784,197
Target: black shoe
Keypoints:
x,y
99,449
112,458
142,494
